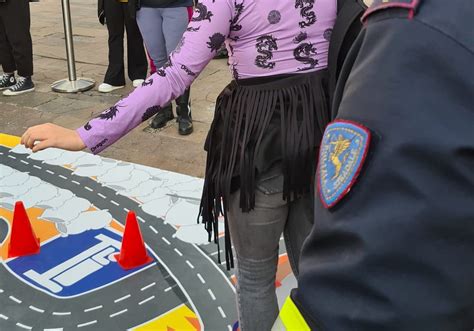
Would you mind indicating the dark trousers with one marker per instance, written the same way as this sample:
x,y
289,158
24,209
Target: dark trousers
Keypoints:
x,y
118,19
16,50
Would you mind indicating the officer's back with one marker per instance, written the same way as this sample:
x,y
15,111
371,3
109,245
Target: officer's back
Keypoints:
x,y
393,243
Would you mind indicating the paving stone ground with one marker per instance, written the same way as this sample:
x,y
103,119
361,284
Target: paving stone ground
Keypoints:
x,y
163,148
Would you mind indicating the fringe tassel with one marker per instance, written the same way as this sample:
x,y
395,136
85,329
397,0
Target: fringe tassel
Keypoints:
x,y
243,115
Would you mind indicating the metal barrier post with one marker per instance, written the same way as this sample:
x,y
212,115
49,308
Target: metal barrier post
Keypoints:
x,y
71,84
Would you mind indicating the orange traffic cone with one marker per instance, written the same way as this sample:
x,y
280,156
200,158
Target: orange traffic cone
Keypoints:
x,y
133,252
23,240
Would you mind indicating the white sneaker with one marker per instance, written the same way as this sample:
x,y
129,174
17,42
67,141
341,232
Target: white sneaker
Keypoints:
x,y
137,82
106,88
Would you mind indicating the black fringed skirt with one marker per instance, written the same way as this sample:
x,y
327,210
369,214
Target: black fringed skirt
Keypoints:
x,y
258,122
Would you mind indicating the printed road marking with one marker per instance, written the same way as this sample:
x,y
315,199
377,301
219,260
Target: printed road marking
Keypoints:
x,y
146,300
118,313
3,317
37,167
169,288
12,157
221,311
148,286
201,279
88,188
63,177
23,161
86,324
50,172
76,182
59,313
178,252
189,264
153,229
12,298
141,219
1,291
166,240
122,298
126,209
101,195
23,326
211,294
216,252
93,308
115,203
229,327
36,309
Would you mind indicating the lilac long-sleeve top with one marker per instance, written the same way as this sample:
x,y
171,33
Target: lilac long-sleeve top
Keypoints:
x,y
263,38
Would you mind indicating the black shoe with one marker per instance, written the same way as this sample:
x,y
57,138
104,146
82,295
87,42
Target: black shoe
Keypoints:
x,y
23,85
183,110
6,81
160,119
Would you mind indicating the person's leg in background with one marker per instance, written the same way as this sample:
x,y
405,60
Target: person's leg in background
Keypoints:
x,y
115,21
17,45
256,236
136,56
6,57
175,22
150,22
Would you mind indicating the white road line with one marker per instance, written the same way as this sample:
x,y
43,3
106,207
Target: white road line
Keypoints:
x,y
153,229
3,317
115,203
169,288
216,252
141,219
55,329
178,252
36,309
62,176
23,161
229,327
61,313
86,324
189,264
166,240
118,313
211,294
201,279
146,300
1,153
101,195
23,326
93,308
88,188
1,291
221,311
12,157
122,298
126,209
12,298
148,286
50,172
76,182
37,167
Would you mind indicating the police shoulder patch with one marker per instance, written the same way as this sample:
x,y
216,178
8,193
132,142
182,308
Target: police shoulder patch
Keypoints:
x,y
342,154
379,5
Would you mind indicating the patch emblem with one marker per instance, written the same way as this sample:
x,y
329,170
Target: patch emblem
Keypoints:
x,y
377,5
343,151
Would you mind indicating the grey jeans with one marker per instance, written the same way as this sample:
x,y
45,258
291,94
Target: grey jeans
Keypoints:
x,y
256,236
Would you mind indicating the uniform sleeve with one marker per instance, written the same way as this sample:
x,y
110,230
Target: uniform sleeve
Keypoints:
x,y
205,34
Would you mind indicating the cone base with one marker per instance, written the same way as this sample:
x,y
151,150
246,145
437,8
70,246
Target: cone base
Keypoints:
x,y
19,252
128,265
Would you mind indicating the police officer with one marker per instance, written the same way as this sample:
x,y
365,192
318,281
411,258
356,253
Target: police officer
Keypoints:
x,y
392,247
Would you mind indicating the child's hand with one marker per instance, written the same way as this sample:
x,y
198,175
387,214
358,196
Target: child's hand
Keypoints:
x,y
48,135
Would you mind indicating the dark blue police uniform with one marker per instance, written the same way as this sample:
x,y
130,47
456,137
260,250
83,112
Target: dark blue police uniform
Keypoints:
x,y
392,247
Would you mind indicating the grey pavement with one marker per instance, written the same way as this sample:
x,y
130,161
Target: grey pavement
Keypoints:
x,y
163,148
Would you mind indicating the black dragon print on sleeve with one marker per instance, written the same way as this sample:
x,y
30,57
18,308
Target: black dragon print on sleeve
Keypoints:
x,y
306,11
239,8
187,70
191,29
150,112
109,114
87,126
148,82
215,41
266,44
161,72
202,13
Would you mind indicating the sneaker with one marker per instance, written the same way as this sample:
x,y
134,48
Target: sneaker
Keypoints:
x,y
6,81
23,85
137,82
107,88
163,117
